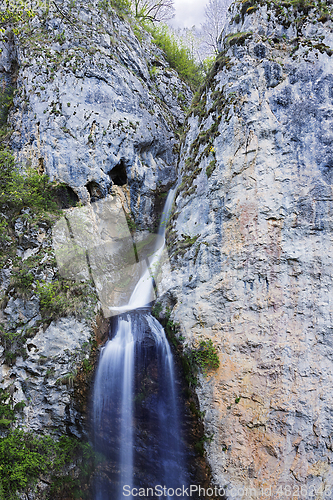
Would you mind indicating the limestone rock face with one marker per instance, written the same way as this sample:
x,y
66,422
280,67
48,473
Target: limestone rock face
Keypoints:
x,y
43,379
95,107
251,244
40,361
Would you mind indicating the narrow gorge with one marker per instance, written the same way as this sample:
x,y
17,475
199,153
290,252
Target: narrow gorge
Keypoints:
x,y
96,128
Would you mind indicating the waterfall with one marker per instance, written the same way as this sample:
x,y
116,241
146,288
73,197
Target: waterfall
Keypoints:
x,y
135,389
114,383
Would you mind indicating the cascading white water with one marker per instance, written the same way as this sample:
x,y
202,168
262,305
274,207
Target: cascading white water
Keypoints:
x,y
138,358
168,417
114,381
142,294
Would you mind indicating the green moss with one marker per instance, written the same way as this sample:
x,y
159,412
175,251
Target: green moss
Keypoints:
x,y
298,15
200,445
211,167
198,105
130,222
205,357
237,38
323,48
61,38
183,245
220,108
222,61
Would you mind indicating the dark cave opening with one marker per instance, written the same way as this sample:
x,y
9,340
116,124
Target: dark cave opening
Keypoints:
x,y
95,191
118,174
67,197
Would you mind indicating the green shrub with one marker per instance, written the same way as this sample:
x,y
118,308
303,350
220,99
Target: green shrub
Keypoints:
x,y
156,310
24,456
206,356
64,298
14,13
7,164
4,232
67,379
25,190
19,406
28,189
87,366
177,55
22,280
7,412
6,101
122,7
13,343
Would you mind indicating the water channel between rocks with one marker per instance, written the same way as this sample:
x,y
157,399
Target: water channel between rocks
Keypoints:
x,y
136,415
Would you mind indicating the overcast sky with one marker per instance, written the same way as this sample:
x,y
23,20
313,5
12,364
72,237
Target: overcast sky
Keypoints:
x,y
188,13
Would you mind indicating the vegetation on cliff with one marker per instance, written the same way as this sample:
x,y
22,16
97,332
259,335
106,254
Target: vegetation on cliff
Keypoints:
x,y
29,205
287,11
30,201
26,458
177,55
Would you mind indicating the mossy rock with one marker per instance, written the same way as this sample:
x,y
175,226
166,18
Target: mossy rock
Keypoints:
x,y
237,38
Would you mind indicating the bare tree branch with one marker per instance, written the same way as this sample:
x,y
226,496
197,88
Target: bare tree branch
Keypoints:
x,y
154,10
215,13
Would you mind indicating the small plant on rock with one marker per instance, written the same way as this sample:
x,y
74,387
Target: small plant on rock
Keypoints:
x,y
206,356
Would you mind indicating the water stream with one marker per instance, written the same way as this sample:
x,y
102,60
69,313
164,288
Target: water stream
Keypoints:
x,y
135,407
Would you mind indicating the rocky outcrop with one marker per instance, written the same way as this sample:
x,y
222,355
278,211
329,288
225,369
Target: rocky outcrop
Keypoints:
x,y
250,237
96,107
41,356
251,245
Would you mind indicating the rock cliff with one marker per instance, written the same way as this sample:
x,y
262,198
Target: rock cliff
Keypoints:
x,y
95,107
251,246
98,109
